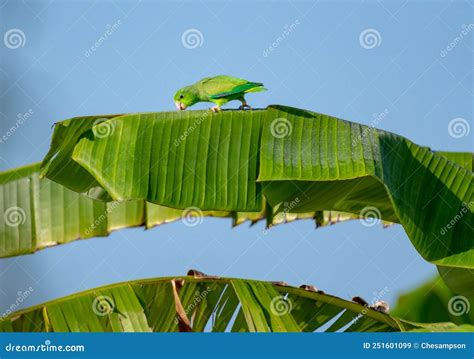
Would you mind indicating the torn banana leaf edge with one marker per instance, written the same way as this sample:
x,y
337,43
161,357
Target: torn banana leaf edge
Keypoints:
x,y
40,213
205,303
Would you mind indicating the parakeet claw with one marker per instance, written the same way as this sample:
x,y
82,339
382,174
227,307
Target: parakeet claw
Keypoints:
x,y
215,109
244,105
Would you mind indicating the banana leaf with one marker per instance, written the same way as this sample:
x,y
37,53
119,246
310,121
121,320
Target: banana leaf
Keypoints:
x,y
433,302
197,303
39,213
299,161
459,280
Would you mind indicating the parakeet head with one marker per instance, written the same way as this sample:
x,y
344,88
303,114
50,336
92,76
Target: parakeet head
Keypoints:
x,y
185,97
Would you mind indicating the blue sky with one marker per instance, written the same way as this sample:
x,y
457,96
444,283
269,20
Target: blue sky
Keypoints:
x,y
408,60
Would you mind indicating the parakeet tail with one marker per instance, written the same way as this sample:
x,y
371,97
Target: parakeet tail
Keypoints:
x,y
256,89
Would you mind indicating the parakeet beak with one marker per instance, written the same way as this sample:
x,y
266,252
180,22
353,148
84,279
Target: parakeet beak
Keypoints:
x,y
180,106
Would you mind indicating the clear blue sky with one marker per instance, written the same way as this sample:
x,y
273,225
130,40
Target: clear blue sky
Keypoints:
x,y
322,62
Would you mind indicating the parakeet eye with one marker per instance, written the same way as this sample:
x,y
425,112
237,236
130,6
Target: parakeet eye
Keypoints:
x,y
181,96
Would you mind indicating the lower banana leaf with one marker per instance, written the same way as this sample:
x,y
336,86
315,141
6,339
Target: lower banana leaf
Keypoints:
x,y
39,213
201,303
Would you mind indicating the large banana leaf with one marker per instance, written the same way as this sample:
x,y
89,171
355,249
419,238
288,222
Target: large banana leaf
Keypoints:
x,y
435,302
200,303
39,213
459,280
300,161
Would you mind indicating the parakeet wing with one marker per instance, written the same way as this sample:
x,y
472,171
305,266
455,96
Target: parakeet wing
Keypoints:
x,y
223,86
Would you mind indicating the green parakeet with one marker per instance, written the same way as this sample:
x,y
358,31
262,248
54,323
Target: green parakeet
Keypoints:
x,y
218,89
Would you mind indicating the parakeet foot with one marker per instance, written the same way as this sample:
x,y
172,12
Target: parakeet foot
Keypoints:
x,y
244,106
215,109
